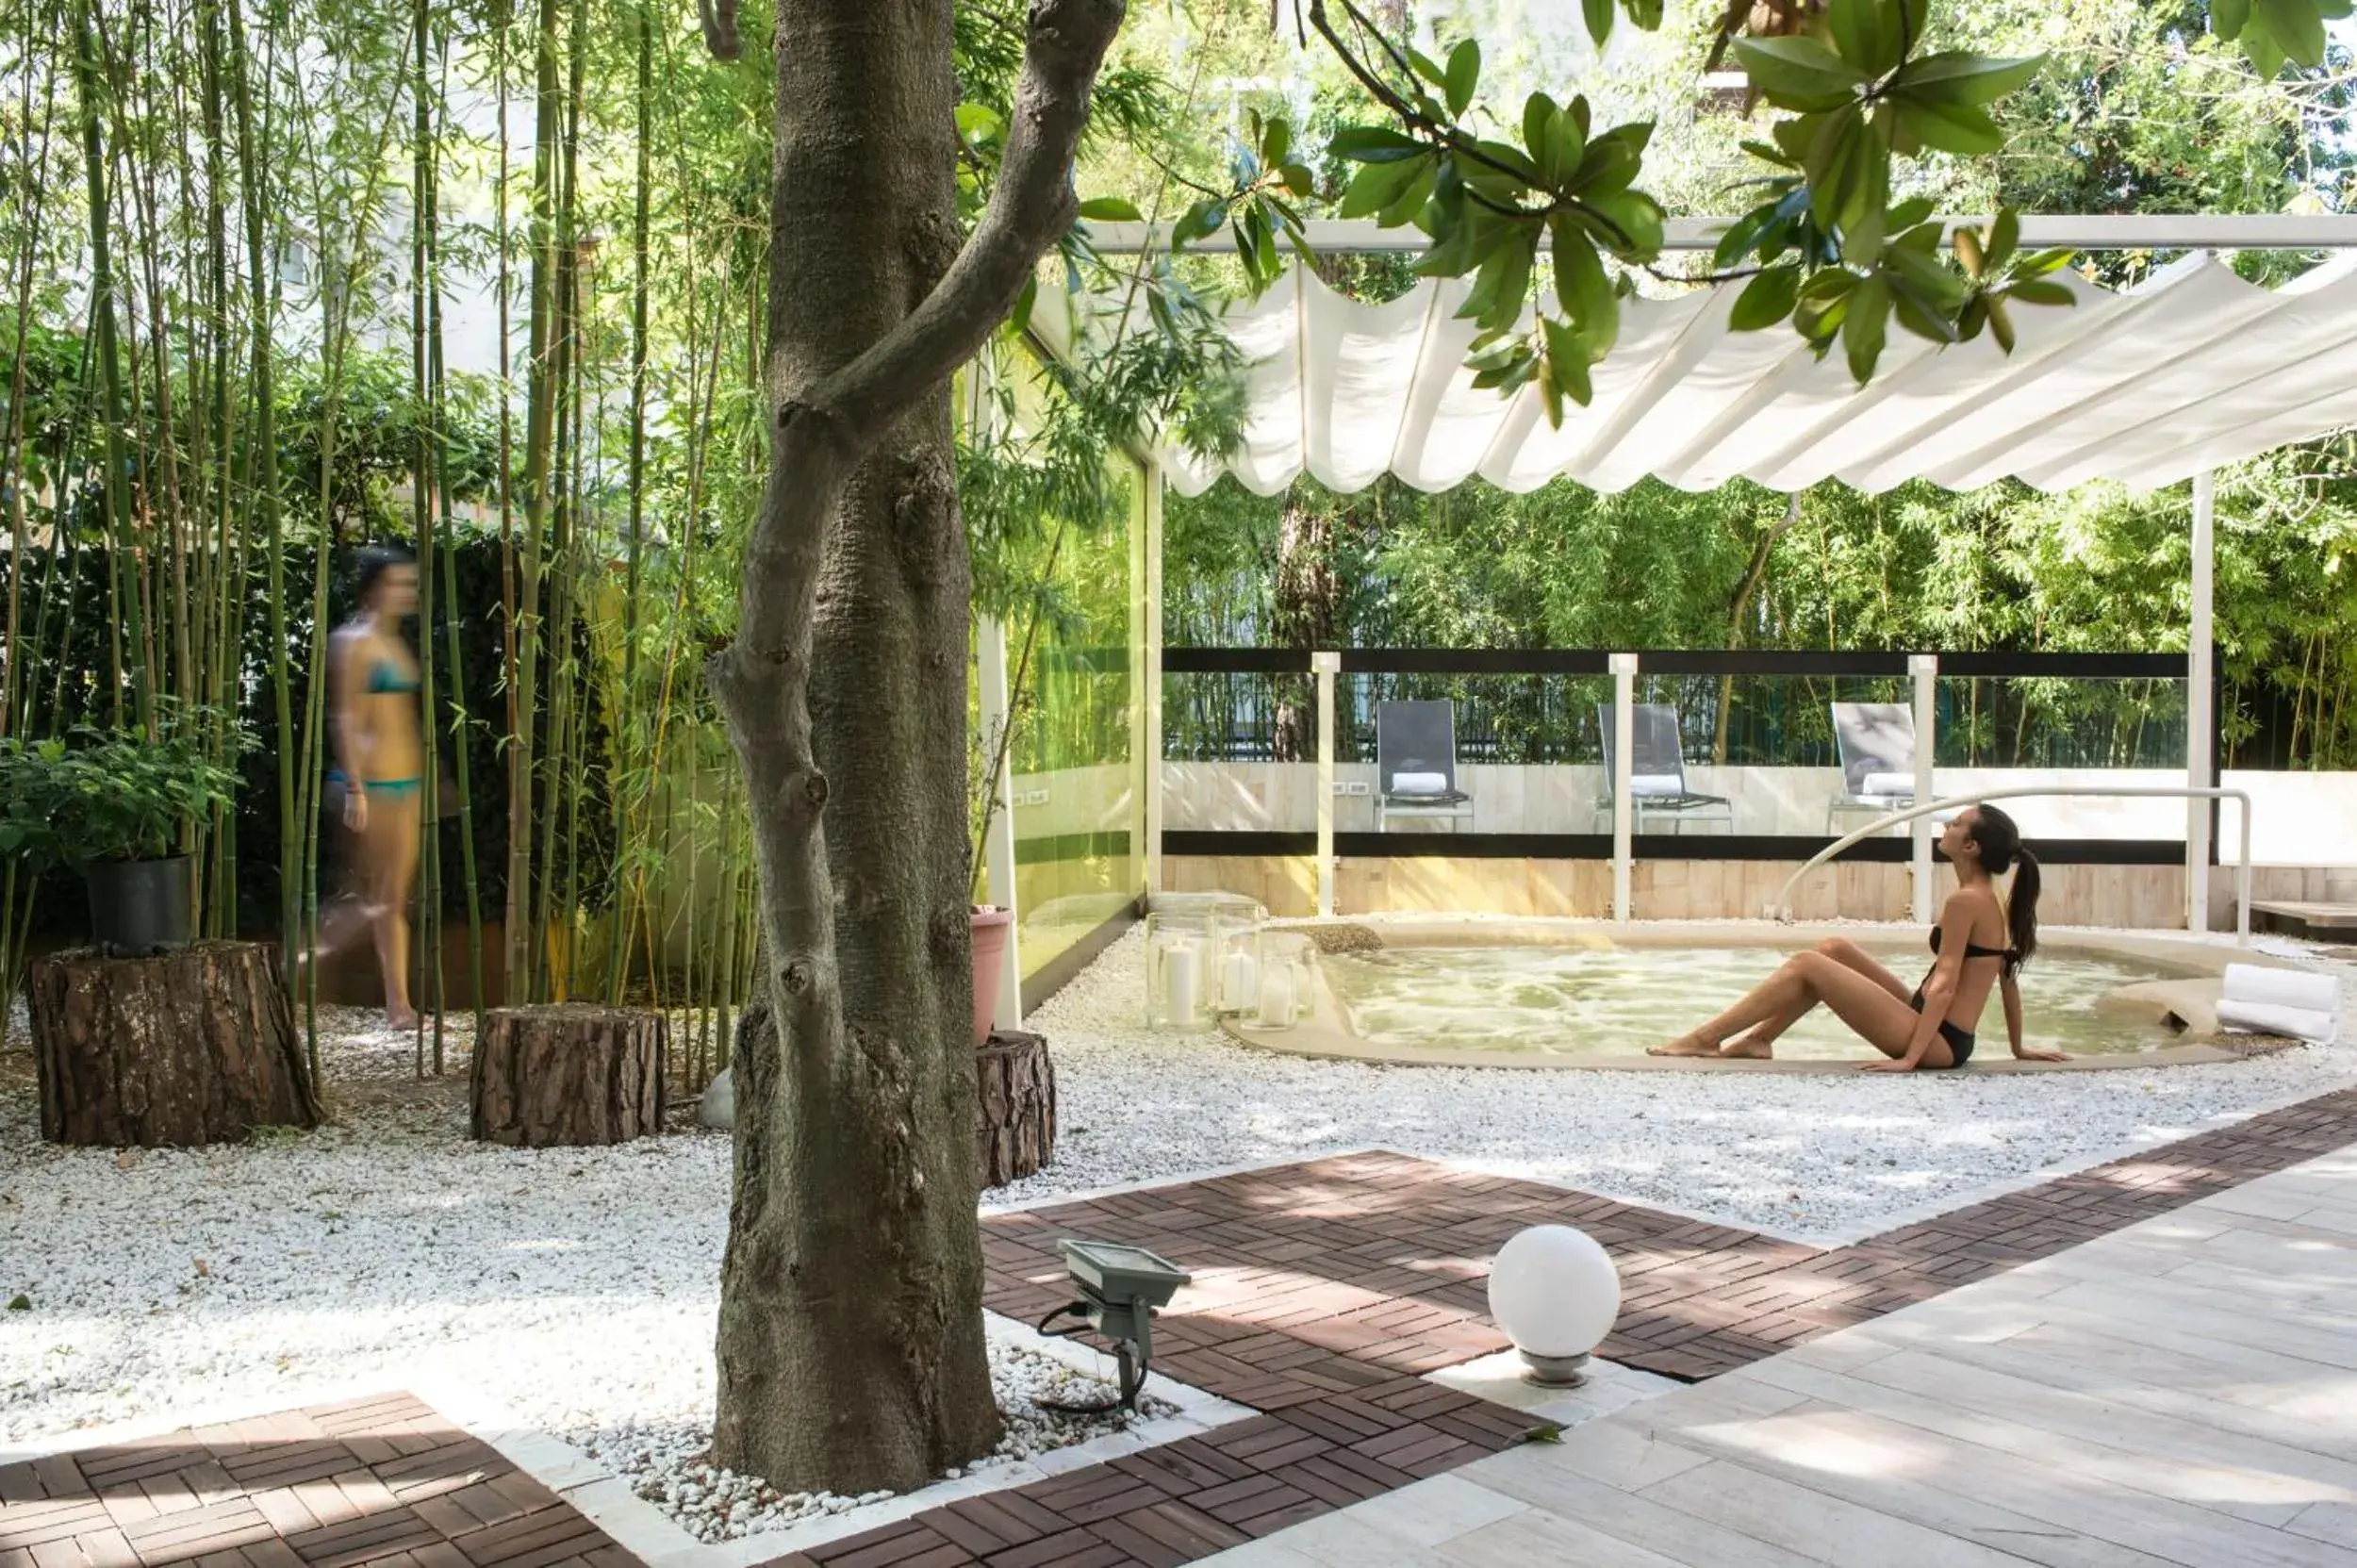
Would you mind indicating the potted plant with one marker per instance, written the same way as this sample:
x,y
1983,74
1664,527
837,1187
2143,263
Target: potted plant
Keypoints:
x,y
116,804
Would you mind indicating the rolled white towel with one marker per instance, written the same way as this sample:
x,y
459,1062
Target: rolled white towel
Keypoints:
x,y
1657,783
1887,784
2271,987
2258,1017
1419,783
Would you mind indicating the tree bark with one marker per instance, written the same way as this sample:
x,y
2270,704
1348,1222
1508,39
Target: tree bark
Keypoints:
x,y
196,1047
1015,1127
546,1077
850,1342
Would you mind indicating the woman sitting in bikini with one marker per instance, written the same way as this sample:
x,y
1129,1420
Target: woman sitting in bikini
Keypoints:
x,y
382,766
1981,941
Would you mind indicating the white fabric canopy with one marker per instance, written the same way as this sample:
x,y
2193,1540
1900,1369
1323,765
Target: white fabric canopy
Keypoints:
x,y
2193,369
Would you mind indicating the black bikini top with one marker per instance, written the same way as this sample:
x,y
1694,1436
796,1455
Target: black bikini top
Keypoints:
x,y
1973,949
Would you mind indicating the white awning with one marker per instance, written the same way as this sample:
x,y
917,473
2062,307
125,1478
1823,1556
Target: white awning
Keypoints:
x,y
2193,369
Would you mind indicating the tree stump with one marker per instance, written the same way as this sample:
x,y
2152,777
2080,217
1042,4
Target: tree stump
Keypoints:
x,y
568,1074
1014,1131
193,1047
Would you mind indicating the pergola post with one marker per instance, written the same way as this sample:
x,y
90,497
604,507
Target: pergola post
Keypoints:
x,y
2201,721
1150,615
1624,772
1327,664
990,659
1925,668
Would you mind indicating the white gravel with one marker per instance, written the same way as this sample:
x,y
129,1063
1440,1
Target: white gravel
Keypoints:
x,y
578,1287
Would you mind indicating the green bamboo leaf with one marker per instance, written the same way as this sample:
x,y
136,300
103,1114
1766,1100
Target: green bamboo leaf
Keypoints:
x,y
2000,323
1767,299
1599,16
1798,74
1465,74
1110,209
1426,67
1647,14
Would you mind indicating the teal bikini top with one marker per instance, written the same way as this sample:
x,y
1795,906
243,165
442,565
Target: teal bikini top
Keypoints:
x,y
384,676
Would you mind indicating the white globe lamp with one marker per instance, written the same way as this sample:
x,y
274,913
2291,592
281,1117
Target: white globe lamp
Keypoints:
x,y
1554,1292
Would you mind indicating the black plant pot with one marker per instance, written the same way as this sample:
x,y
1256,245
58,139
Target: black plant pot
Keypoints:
x,y
139,908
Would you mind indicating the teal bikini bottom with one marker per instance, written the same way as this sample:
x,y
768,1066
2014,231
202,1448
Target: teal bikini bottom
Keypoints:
x,y
395,788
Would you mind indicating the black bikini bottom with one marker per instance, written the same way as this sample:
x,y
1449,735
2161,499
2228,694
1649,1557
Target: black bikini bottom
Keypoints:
x,y
1959,1040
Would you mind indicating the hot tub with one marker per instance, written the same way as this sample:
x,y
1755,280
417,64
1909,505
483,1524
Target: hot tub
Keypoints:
x,y
1584,994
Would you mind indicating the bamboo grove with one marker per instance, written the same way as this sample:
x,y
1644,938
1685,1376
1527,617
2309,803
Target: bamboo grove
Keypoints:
x,y
265,263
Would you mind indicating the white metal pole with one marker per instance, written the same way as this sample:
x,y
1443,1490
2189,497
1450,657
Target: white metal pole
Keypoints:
x,y
1926,668
1623,771
2200,722
990,638
1153,683
1327,665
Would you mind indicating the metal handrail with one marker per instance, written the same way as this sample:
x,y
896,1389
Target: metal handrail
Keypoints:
x,y
2242,870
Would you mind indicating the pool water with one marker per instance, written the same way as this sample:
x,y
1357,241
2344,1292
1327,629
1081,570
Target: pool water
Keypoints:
x,y
1564,1001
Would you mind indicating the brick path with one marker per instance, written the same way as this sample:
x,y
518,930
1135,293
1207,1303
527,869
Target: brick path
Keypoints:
x,y
382,1481
1324,1290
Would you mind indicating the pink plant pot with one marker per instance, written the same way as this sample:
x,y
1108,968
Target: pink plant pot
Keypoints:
x,y
991,927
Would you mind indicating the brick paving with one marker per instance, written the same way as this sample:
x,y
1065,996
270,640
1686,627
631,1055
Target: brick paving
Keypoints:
x,y
382,1481
1324,1292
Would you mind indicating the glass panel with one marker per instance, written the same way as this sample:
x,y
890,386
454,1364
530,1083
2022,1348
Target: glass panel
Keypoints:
x,y
2071,732
1079,814
1804,757
1240,753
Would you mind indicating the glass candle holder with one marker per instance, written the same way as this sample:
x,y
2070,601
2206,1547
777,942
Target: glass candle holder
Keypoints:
x,y
1203,958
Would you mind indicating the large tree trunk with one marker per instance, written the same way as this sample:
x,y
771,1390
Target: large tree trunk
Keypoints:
x,y
195,1047
850,1347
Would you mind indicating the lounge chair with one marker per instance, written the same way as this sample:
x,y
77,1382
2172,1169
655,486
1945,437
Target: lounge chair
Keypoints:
x,y
1877,746
1415,763
1656,780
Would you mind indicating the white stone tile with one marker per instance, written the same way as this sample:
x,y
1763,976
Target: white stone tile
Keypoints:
x,y
1535,1536
1436,1509
1815,1524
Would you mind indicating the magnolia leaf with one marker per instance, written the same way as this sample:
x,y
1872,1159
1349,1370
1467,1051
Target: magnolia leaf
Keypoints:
x,y
1919,316
1377,185
1599,16
1426,67
1110,209
2298,26
1949,127
1798,74
1999,324
1204,218
1866,327
1767,299
1867,34
1633,224
1582,288
1907,214
2005,237
1372,145
1297,178
1409,204
1645,13
1465,74
1741,236
2041,292
2229,17
1958,77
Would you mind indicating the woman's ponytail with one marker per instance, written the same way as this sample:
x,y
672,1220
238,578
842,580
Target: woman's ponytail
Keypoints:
x,y
2021,909
1999,841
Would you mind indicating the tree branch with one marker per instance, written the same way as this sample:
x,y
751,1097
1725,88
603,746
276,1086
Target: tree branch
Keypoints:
x,y
1031,206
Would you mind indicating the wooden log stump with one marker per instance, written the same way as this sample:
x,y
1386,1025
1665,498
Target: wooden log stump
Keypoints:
x,y
568,1074
193,1047
1014,1131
